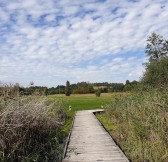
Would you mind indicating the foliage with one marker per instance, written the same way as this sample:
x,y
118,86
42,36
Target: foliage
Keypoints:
x,y
98,93
116,87
130,85
34,90
156,47
67,89
156,74
30,130
139,124
60,89
82,88
79,88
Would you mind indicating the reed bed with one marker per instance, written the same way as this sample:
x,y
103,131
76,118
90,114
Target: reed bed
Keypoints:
x,y
139,124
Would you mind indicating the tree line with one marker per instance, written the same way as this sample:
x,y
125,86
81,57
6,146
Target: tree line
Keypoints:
x,y
76,88
155,75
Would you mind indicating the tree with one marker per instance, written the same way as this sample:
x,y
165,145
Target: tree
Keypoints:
x,y
156,74
156,47
98,93
67,89
127,82
82,88
90,89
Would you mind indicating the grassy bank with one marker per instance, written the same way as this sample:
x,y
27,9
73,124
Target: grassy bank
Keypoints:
x,y
139,124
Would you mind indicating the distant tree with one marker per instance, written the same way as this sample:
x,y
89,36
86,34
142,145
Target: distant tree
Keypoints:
x,y
127,82
116,87
127,87
90,89
51,91
82,88
98,93
67,89
104,90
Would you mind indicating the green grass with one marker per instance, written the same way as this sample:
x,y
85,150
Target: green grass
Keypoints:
x,y
80,102
83,102
139,124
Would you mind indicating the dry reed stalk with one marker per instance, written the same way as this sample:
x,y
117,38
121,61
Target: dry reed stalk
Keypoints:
x,y
25,122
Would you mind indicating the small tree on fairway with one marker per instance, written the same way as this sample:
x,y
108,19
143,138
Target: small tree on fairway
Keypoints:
x,y
67,89
98,93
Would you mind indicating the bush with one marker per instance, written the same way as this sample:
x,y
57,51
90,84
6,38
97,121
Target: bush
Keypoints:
x,y
29,130
98,93
156,73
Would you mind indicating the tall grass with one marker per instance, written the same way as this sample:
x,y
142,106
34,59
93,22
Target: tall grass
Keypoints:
x,y
139,124
30,130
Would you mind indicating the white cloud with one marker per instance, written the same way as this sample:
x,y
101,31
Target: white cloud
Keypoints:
x,y
80,40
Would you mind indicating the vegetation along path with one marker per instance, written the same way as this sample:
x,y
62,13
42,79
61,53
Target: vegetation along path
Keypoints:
x,y
90,142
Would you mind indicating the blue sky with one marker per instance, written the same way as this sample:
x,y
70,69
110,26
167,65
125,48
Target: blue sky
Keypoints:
x,y
51,41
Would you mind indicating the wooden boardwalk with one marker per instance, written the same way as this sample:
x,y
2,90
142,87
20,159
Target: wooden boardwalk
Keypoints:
x,y
90,142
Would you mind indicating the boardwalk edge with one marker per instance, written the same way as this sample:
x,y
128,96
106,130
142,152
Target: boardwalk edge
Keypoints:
x,y
67,141
122,152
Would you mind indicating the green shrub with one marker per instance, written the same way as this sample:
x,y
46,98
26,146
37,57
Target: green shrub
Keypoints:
x,y
98,93
156,73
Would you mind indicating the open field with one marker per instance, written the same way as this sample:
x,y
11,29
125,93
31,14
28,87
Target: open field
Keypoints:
x,y
86,101
80,102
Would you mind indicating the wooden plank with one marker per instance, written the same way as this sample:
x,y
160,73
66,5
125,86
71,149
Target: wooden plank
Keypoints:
x,y
90,142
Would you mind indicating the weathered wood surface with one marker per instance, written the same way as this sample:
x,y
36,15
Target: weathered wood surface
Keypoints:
x,y
90,142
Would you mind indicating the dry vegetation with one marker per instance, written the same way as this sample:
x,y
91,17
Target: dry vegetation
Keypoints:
x,y
30,129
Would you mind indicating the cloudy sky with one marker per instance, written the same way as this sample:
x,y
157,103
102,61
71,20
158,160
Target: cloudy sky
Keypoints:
x,y
51,41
